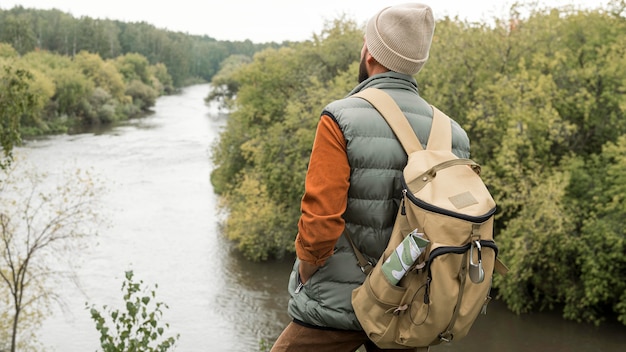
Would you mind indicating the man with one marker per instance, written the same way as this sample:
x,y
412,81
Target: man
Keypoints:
x,y
353,184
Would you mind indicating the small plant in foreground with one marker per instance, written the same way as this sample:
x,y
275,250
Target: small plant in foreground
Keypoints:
x,y
138,327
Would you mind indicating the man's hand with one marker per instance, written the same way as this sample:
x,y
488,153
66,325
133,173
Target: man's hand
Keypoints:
x,y
306,270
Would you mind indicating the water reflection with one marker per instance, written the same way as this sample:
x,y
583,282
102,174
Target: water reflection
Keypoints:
x,y
255,295
501,330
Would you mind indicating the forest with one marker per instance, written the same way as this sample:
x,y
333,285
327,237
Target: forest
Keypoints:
x,y
85,71
543,99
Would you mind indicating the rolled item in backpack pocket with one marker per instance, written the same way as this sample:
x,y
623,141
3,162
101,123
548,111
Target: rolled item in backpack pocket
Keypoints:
x,y
405,255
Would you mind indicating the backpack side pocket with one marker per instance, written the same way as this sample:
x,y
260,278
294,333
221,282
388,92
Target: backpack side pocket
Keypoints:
x,y
377,304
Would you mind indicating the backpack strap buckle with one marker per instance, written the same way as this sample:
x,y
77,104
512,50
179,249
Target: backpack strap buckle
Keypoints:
x,y
367,268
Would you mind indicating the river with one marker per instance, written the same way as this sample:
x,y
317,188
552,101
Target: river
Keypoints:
x,y
165,227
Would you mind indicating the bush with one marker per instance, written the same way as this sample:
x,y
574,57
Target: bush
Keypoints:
x,y
143,95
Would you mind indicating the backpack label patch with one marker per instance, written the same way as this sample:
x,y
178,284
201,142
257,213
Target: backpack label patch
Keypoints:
x,y
463,200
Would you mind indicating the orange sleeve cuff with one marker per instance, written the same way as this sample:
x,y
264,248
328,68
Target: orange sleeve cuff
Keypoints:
x,y
326,195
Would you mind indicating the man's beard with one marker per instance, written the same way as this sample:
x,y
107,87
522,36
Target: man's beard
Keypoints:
x,y
363,70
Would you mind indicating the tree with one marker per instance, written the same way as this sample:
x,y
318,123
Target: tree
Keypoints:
x,y
17,30
597,200
15,100
539,249
102,73
109,93
42,231
162,78
7,51
134,67
73,90
138,327
143,95
224,86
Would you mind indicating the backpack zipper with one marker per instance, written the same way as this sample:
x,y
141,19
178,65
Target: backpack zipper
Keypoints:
x,y
404,192
447,250
435,209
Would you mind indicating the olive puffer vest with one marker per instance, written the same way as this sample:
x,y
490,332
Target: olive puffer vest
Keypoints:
x,y
376,162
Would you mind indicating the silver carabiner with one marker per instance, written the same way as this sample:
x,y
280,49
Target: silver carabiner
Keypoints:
x,y
476,271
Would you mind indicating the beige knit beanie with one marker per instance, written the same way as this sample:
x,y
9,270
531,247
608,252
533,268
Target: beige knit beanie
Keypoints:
x,y
399,37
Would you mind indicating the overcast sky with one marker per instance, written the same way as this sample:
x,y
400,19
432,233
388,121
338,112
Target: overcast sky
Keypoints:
x,y
269,20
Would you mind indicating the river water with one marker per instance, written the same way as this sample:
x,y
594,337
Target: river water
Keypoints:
x,y
165,227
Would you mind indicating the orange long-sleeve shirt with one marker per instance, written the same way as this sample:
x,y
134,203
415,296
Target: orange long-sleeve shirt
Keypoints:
x,y
325,196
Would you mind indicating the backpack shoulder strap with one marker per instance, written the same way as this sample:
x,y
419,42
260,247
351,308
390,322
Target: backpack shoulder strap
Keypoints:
x,y
388,108
440,137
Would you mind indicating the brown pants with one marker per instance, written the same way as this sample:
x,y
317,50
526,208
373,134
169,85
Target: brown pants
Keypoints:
x,y
298,338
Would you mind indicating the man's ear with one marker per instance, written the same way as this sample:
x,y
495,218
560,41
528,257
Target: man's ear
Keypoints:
x,y
369,59
373,66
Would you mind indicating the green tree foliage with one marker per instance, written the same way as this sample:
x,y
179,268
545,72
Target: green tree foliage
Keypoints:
x,y
17,30
188,58
161,79
15,101
86,89
143,95
72,93
135,69
138,326
262,155
104,74
90,71
597,199
587,67
539,247
543,99
224,85
7,51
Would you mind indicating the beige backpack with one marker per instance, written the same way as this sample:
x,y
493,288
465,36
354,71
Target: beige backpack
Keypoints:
x,y
446,202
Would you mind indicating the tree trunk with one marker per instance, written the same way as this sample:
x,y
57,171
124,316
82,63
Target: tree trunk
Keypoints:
x,y
14,332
